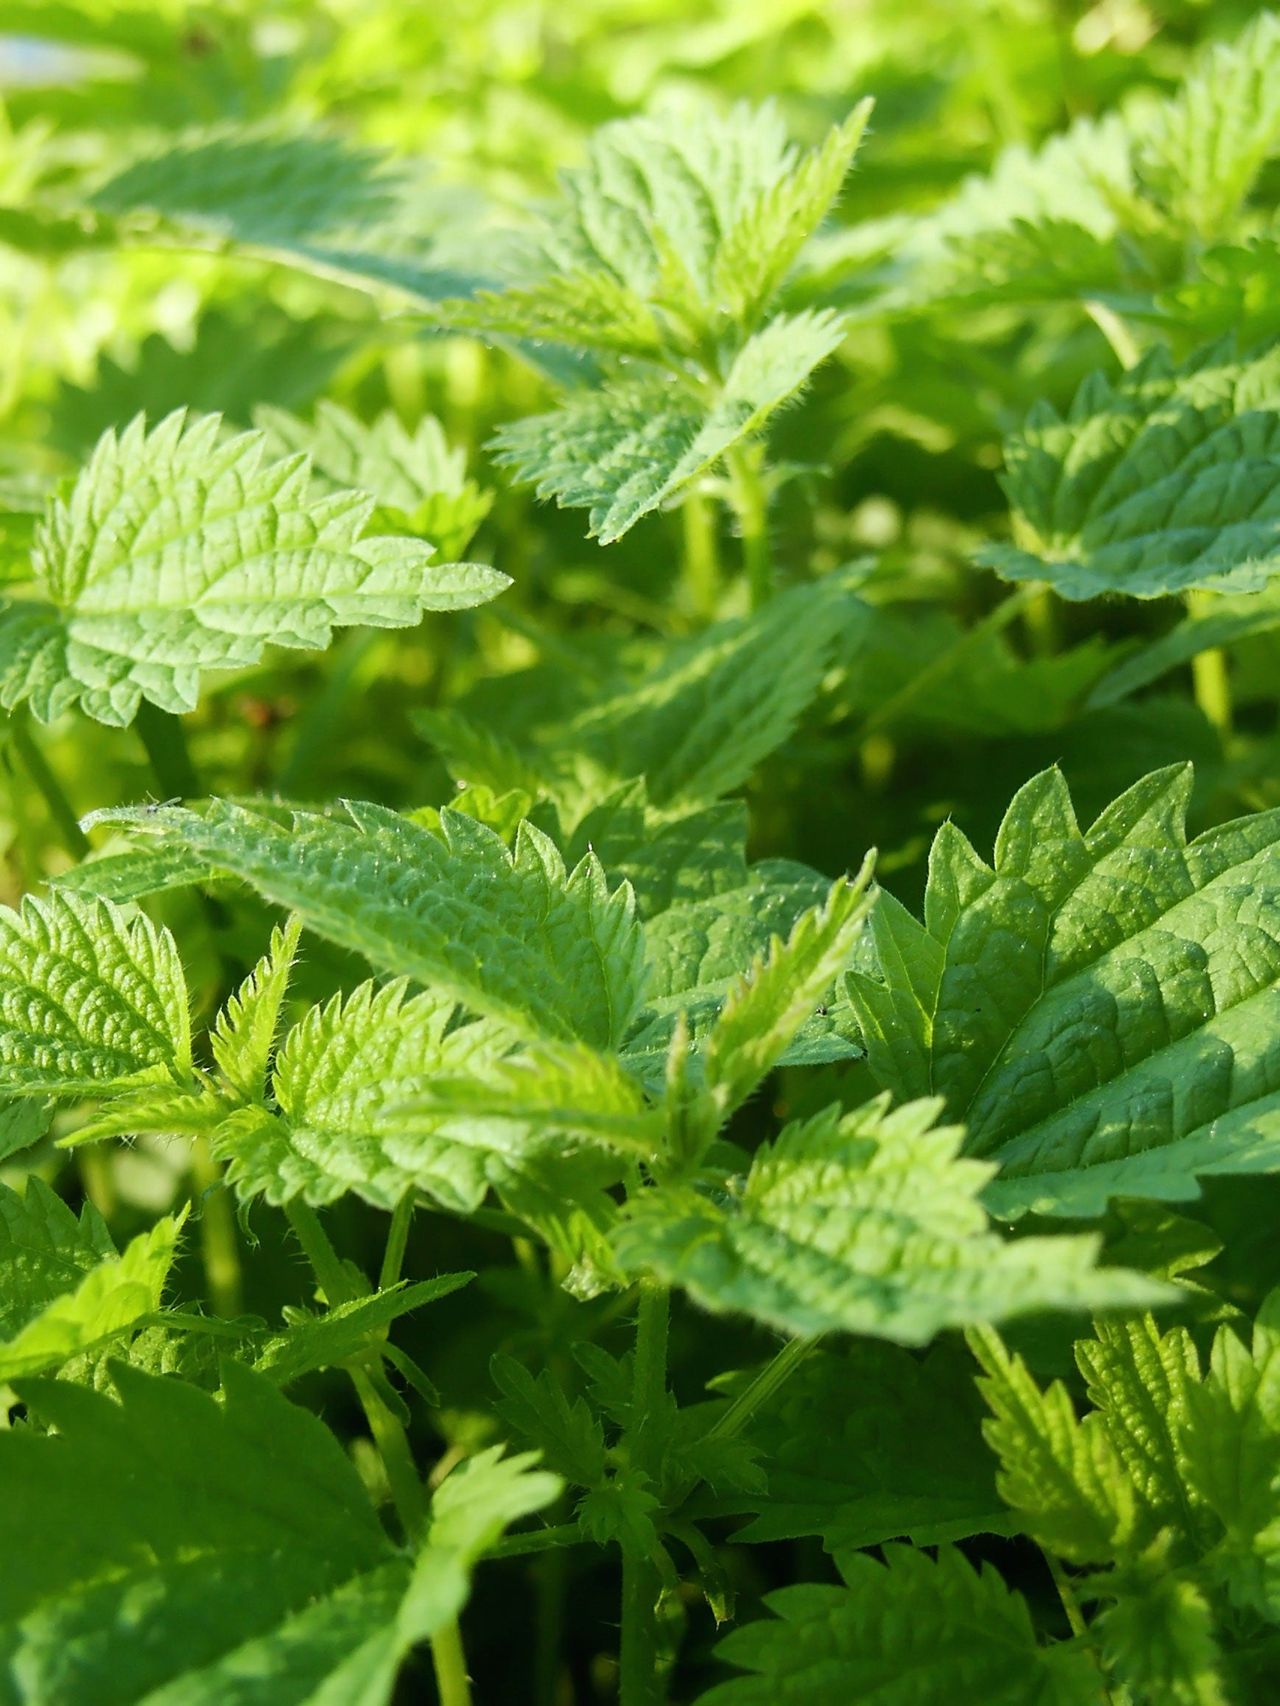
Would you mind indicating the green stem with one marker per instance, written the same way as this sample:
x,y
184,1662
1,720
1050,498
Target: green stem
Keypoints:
x,y
701,556
536,1540
1123,345
407,1492
751,506
735,1416
219,1248
452,1681
65,821
1210,681
397,1240
166,746
640,1681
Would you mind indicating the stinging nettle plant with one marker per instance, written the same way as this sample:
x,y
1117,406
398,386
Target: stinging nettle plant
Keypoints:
x,y
688,1231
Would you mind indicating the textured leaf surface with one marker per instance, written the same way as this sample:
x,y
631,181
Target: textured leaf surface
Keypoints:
x,y
181,550
63,1288
347,1329
510,934
1158,482
698,725
214,1551
1099,1007
854,1452
623,450
767,1006
1201,156
904,1632
700,949
92,997
244,1033
863,1223
416,475
1176,1467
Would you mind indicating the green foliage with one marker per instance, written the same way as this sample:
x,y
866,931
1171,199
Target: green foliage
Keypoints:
x,y
548,1083
180,550
1095,1006
868,1223
65,1288
1169,1479
1159,483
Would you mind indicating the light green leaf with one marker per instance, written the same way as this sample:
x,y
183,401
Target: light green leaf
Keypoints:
x,y
1161,1643
92,998
1159,482
697,725
867,1222
512,935
347,1329
700,949
181,550
1098,1007
254,188
243,1035
63,1288
910,1630
767,1006
414,476
340,1078
623,450
218,1551
1202,152
1064,1478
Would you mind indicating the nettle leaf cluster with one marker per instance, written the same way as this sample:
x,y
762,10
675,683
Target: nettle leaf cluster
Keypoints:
x,y
734,1079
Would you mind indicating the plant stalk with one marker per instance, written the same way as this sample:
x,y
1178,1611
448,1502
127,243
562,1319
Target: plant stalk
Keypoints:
x,y
36,765
701,556
1211,684
165,741
397,1241
388,1431
219,1247
640,1681
751,506
452,1682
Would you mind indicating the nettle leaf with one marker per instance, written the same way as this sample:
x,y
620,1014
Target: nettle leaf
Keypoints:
x,y
183,549
867,1222
64,1289
624,450
218,1550
669,857
415,476
854,1452
1204,148
911,1629
243,1035
569,1438
1098,1007
265,190
693,213
766,1007
1158,482
699,950
346,1330
341,1076
92,999
1175,1468
700,722
510,934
